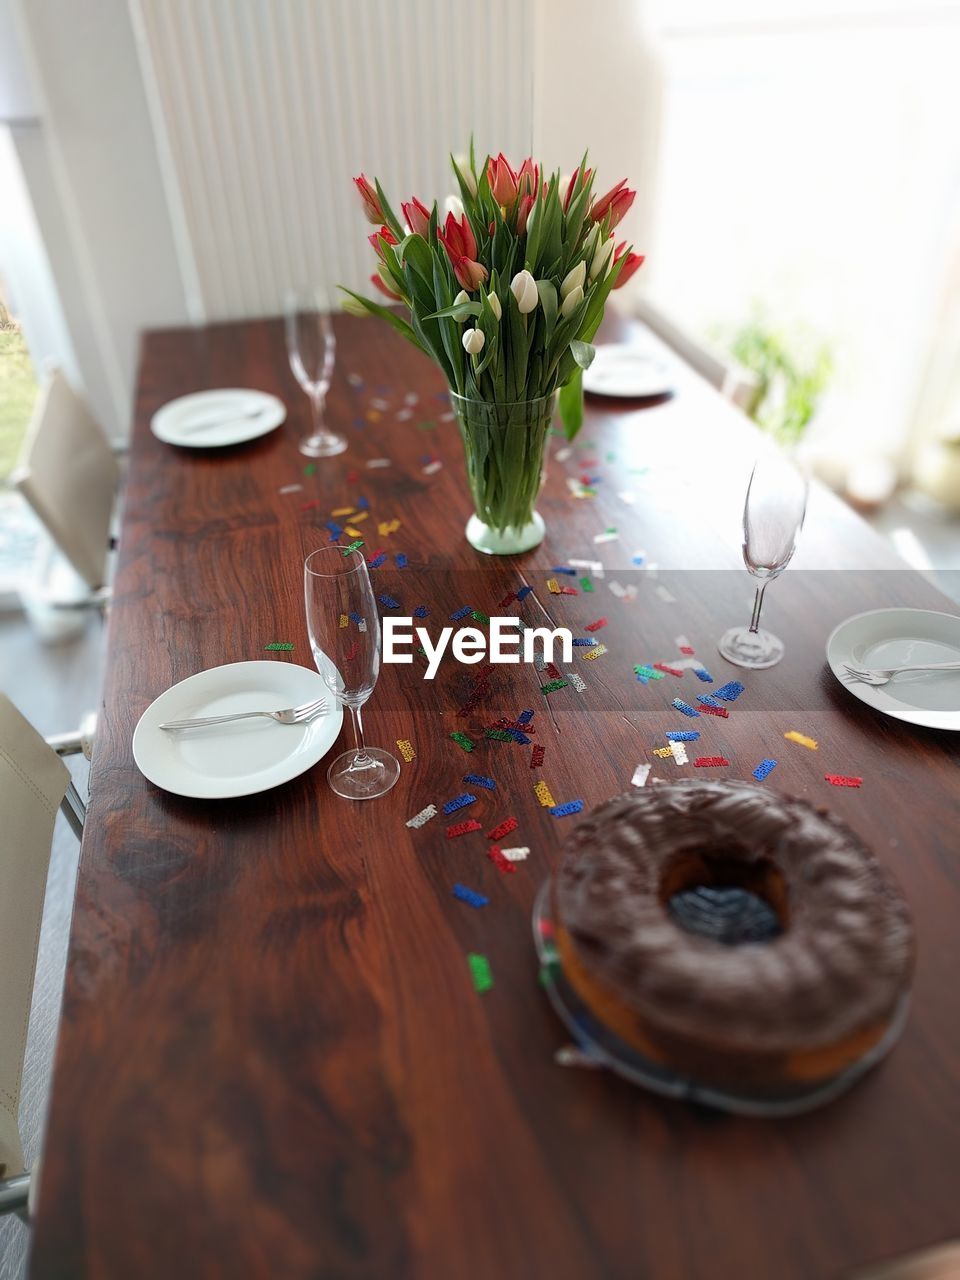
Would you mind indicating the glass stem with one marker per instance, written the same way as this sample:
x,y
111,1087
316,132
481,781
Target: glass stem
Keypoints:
x,y
361,756
317,401
757,606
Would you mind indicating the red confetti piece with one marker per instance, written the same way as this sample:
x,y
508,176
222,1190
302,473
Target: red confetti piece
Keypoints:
x,y
687,649
705,710
841,780
595,626
504,829
569,591
352,651
308,506
553,671
507,600
671,671
499,861
461,828
536,756
353,477
709,762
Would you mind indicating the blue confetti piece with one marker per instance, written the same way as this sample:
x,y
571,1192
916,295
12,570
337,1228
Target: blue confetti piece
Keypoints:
x,y
359,422
763,768
582,642
518,736
730,692
684,707
480,780
459,802
421,611
469,895
703,674
388,602
524,717
377,561
355,617
460,613
643,679
524,592
401,561
708,700
639,559
335,529
363,504
683,735
562,568
563,810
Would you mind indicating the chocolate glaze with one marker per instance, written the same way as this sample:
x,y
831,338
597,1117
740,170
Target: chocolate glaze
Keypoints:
x,y
843,960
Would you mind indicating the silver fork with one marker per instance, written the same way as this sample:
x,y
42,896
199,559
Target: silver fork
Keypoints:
x,y
880,675
290,715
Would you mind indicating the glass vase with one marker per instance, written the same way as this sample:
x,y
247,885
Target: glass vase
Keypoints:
x,y
504,447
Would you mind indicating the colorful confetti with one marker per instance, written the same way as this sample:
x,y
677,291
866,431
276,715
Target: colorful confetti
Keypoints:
x,y
354,546
421,611
536,756
730,691
596,652
405,748
595,626
683,644
432,468
459,802
708,710
578,682
278,646
388,602
709,762
564,810
423,816
802,739
498,860
670,671
480,973
682,735
684,707
374,463
552,686
469,896
463,740
679,752
663,752
291,488
842,780
480,780
460,613
516,855
504,829
703,674
764,769
524,592
640,775
542,792
462,828
553,586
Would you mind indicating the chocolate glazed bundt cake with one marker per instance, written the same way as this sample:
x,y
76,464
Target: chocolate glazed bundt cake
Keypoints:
x,y
732,934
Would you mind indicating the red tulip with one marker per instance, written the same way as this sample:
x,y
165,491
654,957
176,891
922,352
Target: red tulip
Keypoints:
x,y
632,263
615,203
572,183
528,178
523,213
417,216
502,180
388,293
384,234
461,246
371,201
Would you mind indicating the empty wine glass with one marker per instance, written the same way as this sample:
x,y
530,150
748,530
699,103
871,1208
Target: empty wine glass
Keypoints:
x,y
344,633
312,349
772,519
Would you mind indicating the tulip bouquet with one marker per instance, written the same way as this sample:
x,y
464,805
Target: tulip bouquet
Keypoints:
x,y
505,295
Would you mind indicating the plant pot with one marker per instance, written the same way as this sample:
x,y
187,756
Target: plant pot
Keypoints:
x,y
504,448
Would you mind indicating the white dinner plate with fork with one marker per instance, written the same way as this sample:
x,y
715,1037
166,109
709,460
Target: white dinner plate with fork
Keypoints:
x,y
216,419
241,757
887,638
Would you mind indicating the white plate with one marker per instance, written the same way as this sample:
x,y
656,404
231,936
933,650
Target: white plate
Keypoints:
x,y
629,372
894,638
235,759
239,414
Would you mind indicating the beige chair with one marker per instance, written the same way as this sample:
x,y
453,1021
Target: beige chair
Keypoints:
x,y
733,381
34,781
69,475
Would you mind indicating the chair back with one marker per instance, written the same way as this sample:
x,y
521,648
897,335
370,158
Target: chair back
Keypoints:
x,y
69,476
33,780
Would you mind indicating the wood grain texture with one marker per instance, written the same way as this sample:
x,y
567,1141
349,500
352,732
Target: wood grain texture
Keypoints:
x,y
272,1061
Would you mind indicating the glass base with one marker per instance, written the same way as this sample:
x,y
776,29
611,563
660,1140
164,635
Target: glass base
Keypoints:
x,y
746,648
323,446
506,542
374,777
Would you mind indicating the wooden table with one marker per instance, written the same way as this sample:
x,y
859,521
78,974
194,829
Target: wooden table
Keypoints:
x,y
272,1060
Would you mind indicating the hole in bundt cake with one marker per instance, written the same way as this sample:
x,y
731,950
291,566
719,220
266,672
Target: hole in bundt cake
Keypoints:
x,y
725,898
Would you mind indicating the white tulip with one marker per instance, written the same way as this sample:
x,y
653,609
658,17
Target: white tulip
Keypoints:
x,y
454,205
573,279
524,289
473,341
466,173
572,301
462,296
601,259
495,306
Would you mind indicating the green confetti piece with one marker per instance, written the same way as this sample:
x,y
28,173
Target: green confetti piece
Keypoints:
x,y
279,646
310,469
463,740
479,616
649,673
426,426
354,546
586,584
553,686
500,735
480,972
611,529
611,457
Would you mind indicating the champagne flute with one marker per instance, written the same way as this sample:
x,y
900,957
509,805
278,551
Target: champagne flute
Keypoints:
x,y
312,349
337,587
772,519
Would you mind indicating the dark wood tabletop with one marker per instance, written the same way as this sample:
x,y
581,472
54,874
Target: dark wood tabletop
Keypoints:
x,y
272,1059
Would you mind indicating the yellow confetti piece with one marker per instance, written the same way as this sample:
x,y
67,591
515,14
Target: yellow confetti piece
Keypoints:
x,y
542,792
386,527
357,518
663,752
804,741
354,533
406,749
372,415
554,586
343,511
344,620
595,652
